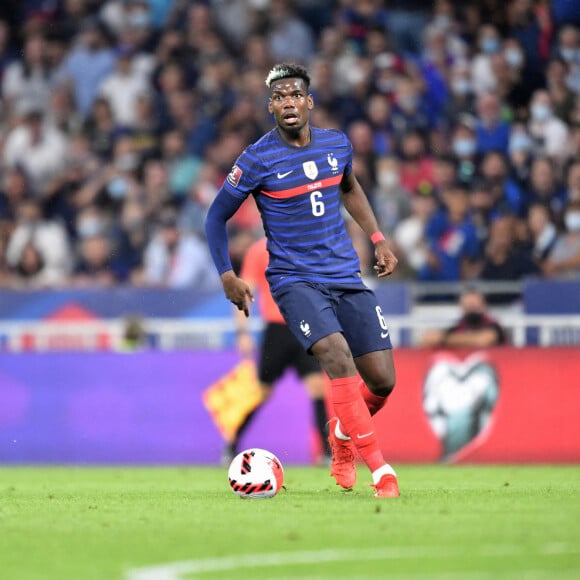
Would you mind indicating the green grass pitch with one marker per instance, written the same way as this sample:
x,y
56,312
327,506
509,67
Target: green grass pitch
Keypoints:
x,y
183,523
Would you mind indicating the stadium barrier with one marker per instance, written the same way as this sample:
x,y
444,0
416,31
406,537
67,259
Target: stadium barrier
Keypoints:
x,y
152,407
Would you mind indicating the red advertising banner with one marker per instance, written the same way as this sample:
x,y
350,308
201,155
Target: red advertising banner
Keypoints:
x,y
502,405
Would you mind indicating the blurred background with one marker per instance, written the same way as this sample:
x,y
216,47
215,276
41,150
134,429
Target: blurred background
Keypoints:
x,y
120,119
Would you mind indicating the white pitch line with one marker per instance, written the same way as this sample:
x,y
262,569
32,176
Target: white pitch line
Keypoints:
x,y
177,570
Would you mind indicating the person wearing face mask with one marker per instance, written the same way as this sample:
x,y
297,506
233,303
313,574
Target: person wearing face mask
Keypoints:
x,y
549,133
564,259
464,149
488,42
475,328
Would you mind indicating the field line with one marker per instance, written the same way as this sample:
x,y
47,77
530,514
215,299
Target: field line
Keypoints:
x,y
178,570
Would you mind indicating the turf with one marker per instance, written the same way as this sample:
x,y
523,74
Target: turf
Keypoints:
x,y
450,522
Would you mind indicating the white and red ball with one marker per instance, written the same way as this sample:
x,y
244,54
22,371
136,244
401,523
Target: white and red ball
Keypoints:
x,y
256,473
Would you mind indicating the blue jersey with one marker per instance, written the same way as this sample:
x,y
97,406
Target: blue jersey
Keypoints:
x,y
297,192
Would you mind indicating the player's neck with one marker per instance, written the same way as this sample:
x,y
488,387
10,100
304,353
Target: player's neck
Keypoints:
x,y
299,138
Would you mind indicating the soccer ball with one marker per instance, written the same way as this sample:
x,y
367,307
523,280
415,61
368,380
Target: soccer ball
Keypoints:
x,y
256,473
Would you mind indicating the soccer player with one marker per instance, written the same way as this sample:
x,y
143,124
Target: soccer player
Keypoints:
x,y
300,177
279,350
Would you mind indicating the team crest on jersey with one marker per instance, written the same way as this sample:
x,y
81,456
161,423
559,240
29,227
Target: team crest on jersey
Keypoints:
x,y
333,162
234,176
310,169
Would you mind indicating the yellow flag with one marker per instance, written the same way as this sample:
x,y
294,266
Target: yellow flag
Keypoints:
x,y
231,398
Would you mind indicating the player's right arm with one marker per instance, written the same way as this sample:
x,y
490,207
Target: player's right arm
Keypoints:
x,y
224,206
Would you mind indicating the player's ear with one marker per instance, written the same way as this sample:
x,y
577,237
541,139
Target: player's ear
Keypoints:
x,y
310,102
270,110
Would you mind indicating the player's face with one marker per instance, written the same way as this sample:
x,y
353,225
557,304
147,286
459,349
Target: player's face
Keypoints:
x,y
290,104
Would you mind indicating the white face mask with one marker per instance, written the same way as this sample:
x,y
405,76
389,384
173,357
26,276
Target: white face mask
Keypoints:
x,y
572,221
388,179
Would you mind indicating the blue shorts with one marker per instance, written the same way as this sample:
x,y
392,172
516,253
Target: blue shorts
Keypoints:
x,y
313,311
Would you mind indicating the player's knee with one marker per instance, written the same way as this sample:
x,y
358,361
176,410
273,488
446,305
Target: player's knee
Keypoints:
x,y
382,386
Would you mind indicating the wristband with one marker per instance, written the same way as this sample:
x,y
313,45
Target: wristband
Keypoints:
x,y
377,237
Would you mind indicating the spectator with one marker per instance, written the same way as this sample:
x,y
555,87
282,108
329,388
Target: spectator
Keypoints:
x,y
573,181
491,131
543,231
488,43
452,239
288,36
31,78
506,258
564,259
545,187
175,259
476,328
40,247
123,87
561,96
416,169
94,266
409,235
88,64
464,148
507,195
35,146
549,133
568,49
391,201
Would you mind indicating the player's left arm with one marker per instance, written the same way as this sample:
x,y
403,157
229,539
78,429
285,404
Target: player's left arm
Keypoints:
x,y
356,203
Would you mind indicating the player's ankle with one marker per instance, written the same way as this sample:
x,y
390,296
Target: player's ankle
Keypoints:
x,y
386,469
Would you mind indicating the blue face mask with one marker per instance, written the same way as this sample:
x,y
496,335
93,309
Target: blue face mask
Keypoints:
x,y
520,142
540,112
513,57
463,147
117,188
489,45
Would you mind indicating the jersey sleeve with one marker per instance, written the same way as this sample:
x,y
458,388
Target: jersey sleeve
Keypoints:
x,y
348,167
245,176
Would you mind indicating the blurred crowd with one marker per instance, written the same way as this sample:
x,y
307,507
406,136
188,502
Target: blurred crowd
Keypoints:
x,y
119,120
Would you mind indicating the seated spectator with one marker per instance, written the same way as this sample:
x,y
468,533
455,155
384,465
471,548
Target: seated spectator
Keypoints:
x,y
460,100
88,63
452,239
35,146
464,148
550,134
175,259
488,44
391,201
506,192
491,131
505,257
476,328
573,181
94,262
561,95
123,87
35,235
409,235
543,231
564,259
544,187
416,168
31,78
410,112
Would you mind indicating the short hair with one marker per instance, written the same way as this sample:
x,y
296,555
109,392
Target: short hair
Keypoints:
x,y
287,71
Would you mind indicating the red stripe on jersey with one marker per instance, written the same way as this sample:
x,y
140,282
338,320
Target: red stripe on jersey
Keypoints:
x,y
307,187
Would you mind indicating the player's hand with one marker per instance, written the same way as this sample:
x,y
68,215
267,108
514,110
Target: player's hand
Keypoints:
x,y
386,260
237,291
